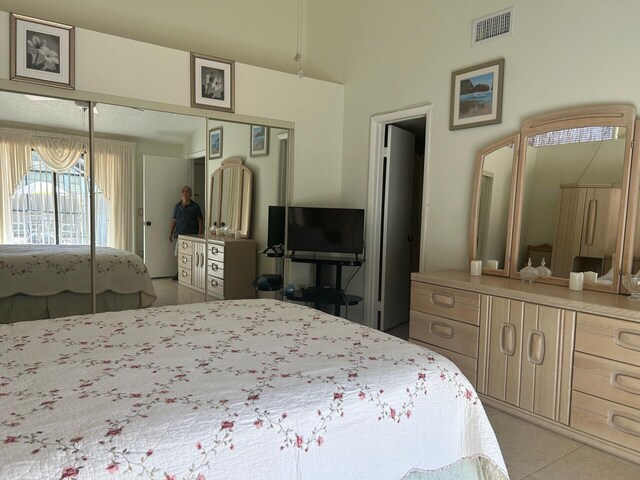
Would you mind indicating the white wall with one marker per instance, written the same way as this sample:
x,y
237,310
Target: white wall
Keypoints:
x,y
398,54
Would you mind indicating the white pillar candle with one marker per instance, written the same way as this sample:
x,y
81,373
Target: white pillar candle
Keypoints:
x,y
492,264
476,268
576,280
590,277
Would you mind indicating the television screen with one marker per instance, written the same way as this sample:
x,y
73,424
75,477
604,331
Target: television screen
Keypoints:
x,y
335,230
275,233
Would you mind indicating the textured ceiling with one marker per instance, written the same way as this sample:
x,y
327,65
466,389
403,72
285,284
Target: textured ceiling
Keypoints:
x,y
124,122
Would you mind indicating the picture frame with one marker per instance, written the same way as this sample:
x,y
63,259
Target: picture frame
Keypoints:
x,y
259,141
215,143
41,51
212,83
476,95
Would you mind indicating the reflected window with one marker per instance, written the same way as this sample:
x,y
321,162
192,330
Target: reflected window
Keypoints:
x,y
50,207
573,135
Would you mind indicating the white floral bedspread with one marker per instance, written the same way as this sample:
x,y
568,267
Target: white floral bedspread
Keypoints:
x,y
255,389
41,270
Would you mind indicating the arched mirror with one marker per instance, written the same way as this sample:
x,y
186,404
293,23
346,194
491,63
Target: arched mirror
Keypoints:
x,y
493,203
231,189
572,194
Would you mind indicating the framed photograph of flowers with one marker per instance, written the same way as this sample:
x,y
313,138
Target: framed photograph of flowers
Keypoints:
x,y
259,141
212,82
215,143
42,51
476,95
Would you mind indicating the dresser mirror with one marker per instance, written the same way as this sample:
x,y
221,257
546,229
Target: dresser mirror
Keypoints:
x,y
231,191
493,204
570,192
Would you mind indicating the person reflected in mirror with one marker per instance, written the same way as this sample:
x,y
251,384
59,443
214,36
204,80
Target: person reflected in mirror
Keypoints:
x,y
187,219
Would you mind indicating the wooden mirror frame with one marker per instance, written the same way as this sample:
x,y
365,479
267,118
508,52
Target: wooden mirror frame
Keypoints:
x,y
632,236
600,115
242,197
475,203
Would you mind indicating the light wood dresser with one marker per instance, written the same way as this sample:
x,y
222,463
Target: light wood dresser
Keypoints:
x,y
569,361
226,266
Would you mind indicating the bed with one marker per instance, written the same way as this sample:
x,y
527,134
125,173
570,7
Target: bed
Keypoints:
x,y
49,281
251,389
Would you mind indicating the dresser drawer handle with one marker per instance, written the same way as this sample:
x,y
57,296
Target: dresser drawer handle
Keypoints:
x,y
214,250
443,300
611,421
508,339
214,267
440,329
621,343
214,283
184,273
613,379
535,353
184,259
185,245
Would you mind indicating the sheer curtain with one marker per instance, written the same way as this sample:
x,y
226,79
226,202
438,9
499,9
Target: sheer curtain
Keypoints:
x,y
59,152
15,161
113,174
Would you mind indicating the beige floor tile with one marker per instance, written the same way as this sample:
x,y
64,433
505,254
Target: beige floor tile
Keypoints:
x,y
172,293
587,463
515,473
527,447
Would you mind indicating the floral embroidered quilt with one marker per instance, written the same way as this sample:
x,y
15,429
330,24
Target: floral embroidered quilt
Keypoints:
x,y
251,389
41,270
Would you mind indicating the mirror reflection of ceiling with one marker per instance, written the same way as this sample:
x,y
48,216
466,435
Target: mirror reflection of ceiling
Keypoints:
x,y
130,123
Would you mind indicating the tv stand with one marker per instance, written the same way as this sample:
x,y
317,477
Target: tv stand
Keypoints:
x,y
319,295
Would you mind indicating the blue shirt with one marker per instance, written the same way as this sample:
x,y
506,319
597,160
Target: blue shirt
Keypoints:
x,y
186,218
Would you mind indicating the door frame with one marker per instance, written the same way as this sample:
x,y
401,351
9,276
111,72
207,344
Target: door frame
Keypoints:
x,y
374,208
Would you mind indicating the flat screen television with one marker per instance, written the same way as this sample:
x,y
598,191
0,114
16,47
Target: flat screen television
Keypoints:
x,y
331,230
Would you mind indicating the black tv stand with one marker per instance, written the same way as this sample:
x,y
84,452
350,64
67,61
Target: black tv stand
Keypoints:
x,y
319,295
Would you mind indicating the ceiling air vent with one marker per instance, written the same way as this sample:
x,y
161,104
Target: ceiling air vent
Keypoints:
x,y
496,25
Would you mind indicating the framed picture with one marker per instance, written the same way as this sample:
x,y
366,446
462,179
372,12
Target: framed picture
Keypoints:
x,y
215,143
259,141
476,95
212,83
41,51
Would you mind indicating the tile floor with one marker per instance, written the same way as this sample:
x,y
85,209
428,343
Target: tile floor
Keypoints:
x,y
530,452
534,453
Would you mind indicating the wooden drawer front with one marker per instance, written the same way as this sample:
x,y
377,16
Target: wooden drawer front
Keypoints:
x,y
216,269
185,246
184,260
610,421
184,275
455,336
609,338
467,365
216,251
215,286
446,302
615,381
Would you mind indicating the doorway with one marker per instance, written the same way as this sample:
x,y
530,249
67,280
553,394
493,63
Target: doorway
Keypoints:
x,y
396,213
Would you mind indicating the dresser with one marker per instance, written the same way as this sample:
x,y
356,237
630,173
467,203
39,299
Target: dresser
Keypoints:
x,y
569,361
226,267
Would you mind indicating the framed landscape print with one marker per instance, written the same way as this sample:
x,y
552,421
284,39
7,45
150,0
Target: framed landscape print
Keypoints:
x,y
41,51
476,95
215,143
212,83
259,141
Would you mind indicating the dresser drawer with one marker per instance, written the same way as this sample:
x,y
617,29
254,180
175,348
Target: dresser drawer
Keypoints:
x,y
444,333
608,420
184,275
467,365
216,251
216,269
184,246
608,337
446,302
215,286
608,379
184,260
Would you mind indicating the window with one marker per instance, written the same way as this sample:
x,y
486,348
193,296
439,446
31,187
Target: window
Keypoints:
x,y
53,208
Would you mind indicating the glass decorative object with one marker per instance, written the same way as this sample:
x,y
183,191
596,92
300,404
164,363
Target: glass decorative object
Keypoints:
x,y
528,273
542,270
632,283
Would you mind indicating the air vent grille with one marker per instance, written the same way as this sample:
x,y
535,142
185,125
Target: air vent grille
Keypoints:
x,y
492,26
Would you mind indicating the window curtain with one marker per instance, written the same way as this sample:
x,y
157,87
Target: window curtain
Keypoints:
x,y
60,152
113,174
15,162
